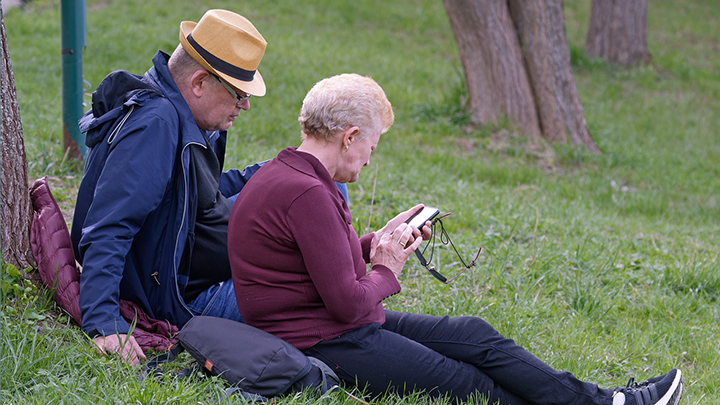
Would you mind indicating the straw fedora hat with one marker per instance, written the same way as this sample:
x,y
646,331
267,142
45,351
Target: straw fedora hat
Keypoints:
x,y
228,45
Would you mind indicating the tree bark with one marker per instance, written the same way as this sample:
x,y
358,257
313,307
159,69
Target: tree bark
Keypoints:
x,y
490,53
16,214
541,27
618,32
517,65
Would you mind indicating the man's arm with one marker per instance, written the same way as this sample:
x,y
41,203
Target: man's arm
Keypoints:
x,y
132,184
233,180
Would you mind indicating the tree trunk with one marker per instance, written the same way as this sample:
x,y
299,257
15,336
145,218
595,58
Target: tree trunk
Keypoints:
x,y
490,53
517,64
16,214
541,28
618,32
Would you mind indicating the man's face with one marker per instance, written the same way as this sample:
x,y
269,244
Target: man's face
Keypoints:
x,y
219,108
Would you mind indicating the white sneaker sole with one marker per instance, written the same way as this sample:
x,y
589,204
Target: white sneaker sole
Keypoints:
x,y
672,396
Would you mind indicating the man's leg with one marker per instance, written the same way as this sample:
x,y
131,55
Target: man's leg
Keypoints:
x,y
378,361
219,301
474,341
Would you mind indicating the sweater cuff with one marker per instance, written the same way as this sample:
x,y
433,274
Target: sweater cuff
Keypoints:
x,y
366,243
392,286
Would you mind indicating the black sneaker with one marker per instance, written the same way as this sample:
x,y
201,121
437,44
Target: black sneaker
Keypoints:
x,y
663,390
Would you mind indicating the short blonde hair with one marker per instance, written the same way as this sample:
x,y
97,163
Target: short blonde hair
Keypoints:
x,y
340,102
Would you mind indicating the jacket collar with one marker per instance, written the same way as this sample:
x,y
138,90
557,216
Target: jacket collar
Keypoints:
x,y
160,75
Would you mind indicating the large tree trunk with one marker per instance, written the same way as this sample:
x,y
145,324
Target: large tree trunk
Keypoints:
x,y
618,32
490,53
517,65
16,212
541,27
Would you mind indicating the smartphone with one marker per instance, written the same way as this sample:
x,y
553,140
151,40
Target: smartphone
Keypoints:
x,y
421,216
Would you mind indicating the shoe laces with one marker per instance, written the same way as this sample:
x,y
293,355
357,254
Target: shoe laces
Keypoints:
x,y
632,385
643,393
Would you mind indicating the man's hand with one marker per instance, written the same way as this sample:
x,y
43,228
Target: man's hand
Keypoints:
x,y
122,344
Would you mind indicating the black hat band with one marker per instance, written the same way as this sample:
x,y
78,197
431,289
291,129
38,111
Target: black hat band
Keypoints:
x,y
220,65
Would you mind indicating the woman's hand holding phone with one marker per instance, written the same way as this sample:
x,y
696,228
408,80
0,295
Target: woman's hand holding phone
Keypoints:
x,y
405,217
393,249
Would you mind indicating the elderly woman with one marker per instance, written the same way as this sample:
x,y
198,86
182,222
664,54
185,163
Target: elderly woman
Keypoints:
x,y
300,272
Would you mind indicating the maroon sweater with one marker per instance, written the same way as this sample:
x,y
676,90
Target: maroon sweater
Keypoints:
x,y
298,266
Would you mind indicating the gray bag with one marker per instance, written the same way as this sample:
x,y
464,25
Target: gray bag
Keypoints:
x,y
258,364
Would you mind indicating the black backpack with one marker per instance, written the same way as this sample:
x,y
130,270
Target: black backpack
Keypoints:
x,y
258,365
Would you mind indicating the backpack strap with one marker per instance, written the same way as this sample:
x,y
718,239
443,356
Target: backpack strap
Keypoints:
x,y
153,368
330,380
119,126
248,396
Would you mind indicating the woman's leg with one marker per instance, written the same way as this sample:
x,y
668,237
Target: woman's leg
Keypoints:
x,y
512,368
379,360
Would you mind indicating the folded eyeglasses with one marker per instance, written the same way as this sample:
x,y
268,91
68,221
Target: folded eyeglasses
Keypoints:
x,y
445,240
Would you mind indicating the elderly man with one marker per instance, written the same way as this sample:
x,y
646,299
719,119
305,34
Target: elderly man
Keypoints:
x,y
152,211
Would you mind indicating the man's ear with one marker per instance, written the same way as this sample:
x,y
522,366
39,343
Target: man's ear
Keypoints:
x,y
349,136
199,82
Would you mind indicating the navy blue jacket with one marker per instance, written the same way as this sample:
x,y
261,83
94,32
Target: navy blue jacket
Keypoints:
x,y
136,205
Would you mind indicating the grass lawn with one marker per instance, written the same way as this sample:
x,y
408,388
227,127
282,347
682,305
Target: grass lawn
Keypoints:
x,y
605,266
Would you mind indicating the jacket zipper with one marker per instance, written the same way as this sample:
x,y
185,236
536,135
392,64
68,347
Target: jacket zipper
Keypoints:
x,y
177,237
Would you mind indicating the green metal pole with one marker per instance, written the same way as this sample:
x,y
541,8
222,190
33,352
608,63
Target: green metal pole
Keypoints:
x,y
72,27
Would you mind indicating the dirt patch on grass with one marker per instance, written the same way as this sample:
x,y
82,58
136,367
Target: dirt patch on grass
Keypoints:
x,y
508,144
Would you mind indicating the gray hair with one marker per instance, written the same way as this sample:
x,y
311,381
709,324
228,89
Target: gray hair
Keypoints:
x,y
181,65
340,102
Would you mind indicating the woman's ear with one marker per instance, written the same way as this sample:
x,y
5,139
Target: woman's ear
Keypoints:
x,y
349,136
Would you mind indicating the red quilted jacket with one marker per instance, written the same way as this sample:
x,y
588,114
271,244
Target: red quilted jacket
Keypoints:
x,y
53,251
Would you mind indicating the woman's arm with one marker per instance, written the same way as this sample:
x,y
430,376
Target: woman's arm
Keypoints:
x,y
333,258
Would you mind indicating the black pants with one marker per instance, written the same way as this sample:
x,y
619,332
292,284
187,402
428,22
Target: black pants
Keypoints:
x,y
453,357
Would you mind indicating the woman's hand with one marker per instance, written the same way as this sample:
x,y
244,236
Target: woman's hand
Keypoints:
x,y
400,219
392,249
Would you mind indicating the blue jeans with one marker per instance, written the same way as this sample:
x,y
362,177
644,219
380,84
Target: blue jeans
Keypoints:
x,y
219,301
454,357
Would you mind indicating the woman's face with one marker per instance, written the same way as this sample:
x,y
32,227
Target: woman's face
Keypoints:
x,y
355,158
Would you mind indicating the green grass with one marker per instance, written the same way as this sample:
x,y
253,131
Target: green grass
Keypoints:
x,y
605,266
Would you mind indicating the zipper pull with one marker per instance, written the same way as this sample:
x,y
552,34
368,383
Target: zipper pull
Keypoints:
x,y
155,276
